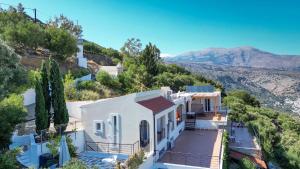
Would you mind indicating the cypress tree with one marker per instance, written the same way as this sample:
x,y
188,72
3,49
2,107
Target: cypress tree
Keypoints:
x,y
41,115
46,90
61,115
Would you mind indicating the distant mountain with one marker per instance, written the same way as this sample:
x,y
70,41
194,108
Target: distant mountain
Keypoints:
x,y
273,79
241,57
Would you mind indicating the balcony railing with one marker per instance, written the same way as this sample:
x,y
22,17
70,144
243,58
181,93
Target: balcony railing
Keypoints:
x,y
128,149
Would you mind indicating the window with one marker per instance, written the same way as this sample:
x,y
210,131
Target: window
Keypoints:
x,y
171,120
179,114
98,126
160,129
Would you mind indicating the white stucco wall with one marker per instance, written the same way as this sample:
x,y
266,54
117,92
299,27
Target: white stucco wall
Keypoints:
x,y
80,52
206,124
78,140
82,62
29,97
174,133
74,108
130,113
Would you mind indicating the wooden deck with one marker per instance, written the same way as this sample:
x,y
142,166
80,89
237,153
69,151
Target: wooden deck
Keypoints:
x,y
196,148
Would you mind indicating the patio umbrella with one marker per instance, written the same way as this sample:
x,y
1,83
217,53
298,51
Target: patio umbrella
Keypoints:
x,y
64,155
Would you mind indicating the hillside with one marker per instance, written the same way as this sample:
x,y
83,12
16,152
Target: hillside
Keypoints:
x,y
274,79
241,57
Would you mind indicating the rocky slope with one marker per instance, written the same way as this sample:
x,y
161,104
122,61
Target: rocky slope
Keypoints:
x,y
274,79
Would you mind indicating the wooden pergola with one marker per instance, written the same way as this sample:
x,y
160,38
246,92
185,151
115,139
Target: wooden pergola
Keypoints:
x,y
213,96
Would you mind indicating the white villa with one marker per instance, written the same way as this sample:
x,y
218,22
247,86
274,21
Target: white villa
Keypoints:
x,y
175,130
180,129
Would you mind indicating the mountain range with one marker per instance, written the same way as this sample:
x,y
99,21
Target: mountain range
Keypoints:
x,y
240,57
274,79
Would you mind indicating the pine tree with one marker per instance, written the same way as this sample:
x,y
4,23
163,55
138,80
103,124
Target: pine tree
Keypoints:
x,y
41,115
151,58
46,90
20,8
61,116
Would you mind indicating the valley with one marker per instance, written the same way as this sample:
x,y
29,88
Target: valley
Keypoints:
x,y
275,85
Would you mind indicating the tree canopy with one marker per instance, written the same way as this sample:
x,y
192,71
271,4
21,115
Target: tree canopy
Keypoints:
x,y
279,132
61,116
12,73
41,114
21,32
12,112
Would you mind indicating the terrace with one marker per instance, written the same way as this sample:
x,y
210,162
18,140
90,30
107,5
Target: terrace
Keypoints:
x,y
211,116
201,148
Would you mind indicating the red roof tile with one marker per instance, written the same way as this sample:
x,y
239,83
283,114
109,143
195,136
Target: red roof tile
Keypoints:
x,y
157,104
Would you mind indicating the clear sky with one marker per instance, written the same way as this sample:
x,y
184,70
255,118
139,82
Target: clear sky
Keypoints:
x,y
178,26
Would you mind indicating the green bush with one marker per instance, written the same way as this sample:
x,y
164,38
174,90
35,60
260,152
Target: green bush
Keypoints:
x,y
107,80
53,145
12,113
12,73
77,73
75,164
8,159
226,150
88,95
135,160
245,97
21,32
71,147
60,42
89,85
94,48
245,163
279,133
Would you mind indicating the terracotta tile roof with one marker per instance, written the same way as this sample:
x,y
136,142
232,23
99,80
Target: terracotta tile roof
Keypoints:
x,y
157,104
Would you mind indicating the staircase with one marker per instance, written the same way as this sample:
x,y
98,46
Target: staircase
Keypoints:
x,y
190,124
24,158
29,157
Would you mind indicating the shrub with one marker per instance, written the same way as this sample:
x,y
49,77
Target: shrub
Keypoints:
x,y
75,164
77,73
69,86
60,42
88,95
12,73
71,147
8,159
12,112
226,150
88,85
135,160
107,80
245,163
53,145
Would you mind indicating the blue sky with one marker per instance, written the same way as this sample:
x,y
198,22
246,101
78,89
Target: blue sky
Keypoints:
x,y
178,26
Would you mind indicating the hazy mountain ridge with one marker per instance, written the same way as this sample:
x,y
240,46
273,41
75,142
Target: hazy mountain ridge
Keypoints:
x,y
241,57
274,79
